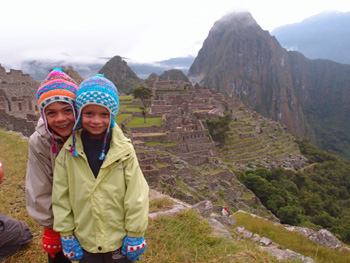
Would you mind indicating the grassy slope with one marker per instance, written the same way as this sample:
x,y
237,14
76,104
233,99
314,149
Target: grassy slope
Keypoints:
x,y
14,153
291,239
183,238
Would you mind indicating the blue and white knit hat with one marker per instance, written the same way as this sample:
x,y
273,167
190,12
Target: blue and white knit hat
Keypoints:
x,y
96,90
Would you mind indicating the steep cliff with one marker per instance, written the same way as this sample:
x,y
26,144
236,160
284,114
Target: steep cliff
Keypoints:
x,y
241,60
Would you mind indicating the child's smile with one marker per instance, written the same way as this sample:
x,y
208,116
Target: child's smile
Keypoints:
x,y
60,118
95,120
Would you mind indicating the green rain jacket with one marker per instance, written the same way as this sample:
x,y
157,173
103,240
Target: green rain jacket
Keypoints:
x,y
100,211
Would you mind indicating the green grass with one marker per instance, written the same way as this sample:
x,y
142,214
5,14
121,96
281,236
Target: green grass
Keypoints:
x,y
139,122
291,239
135,109
227,155
246,148
188,238
160,204
249,132
160,165
122,98
166,144
121,117
247,196
122,107
14,154
213,171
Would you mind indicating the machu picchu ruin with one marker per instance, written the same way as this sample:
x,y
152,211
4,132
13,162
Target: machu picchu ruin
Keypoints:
x,y
254,141
175,149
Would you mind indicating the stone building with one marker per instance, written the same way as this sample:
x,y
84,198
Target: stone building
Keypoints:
x,y
18,110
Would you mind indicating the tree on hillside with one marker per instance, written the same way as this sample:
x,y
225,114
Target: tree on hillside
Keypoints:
x,y
218,128
144,94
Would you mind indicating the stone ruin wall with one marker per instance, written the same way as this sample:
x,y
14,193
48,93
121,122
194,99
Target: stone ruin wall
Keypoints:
x,y
163,108
191,137
18,110
14,75
171,84
11,122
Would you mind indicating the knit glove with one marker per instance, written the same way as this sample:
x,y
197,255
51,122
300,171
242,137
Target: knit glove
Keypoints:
x,y
51,242
71,248
133,247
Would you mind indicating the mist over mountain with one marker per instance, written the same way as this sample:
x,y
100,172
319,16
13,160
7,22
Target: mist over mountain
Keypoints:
x,y
38,69
143,70
323,36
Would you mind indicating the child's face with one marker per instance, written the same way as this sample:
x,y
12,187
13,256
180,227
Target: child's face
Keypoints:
x,y
60,118
95,120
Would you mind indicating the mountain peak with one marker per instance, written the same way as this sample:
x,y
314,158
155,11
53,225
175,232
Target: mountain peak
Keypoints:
x,y
118,71
235,19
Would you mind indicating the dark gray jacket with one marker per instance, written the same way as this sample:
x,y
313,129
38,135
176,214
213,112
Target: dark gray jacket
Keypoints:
x,y
14,235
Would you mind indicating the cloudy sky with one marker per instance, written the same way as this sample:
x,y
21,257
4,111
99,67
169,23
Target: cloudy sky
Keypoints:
x,y
141,30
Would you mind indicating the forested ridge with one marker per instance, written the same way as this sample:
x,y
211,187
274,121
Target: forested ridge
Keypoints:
x,y
317,196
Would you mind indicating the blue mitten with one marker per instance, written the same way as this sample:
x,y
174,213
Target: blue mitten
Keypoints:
x,y
71,248
133,247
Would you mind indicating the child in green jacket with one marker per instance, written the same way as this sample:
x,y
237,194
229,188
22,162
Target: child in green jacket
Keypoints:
x,y
100,196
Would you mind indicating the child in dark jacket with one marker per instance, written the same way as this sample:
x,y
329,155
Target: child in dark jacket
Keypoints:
x,y
100,196
14,234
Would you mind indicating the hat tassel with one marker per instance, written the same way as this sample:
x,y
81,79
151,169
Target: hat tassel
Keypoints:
x,y
72,148
102,156
53,147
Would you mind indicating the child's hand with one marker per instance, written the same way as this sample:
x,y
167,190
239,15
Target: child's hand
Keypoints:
x,y
71,248
133,247
51,242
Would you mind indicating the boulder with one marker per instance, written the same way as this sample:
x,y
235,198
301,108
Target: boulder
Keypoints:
x,y
287,255
326,238
205,208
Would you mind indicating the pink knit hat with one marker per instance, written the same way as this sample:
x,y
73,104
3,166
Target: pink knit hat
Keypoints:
x,y
57,87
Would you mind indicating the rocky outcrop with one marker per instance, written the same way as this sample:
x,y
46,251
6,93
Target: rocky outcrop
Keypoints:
x,y
117,71
287,255
326,238
323,237
70,71
173,74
